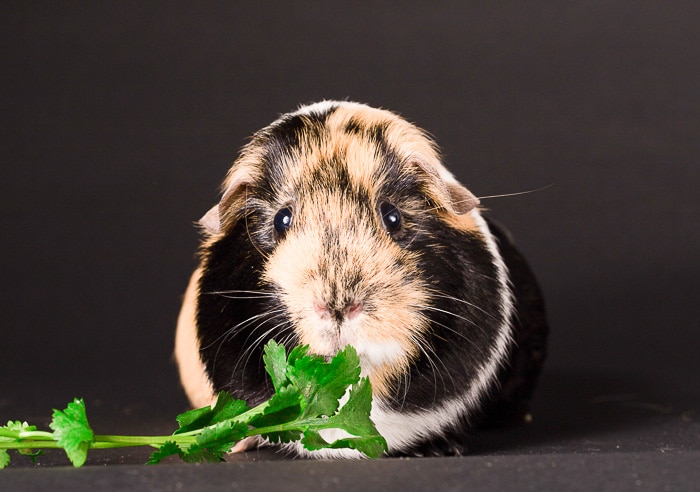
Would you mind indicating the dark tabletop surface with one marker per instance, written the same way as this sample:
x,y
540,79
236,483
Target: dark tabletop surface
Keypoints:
x,y
120,119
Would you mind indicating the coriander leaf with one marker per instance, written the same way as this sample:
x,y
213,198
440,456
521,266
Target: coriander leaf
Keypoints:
x,y
283,407
229,431
4,458
216,440
198,454
313,441
169,448
277,437
31,453
275,359
372,447
354,416
298,352
321,383
19,426
225,408
72,431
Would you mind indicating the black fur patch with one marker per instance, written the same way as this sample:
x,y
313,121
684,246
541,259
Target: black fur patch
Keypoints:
x,y
333,174
508,401
518,377
461,333
289,132
375,133
230,347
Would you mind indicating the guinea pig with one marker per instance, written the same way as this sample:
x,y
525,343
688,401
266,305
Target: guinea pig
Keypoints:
x,y
339,225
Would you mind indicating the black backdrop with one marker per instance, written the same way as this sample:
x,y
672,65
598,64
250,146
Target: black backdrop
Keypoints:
x,y
120,119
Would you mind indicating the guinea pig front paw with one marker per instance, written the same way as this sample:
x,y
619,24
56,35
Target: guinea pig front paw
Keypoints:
x,y
245,444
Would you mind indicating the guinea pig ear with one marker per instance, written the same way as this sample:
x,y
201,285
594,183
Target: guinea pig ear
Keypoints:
x,y
450,192
211,222
461,199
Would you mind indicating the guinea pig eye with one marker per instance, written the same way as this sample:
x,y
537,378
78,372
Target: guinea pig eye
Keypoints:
x,y
283,221
391,217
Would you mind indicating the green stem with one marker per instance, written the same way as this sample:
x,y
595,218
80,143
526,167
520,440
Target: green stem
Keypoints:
x,y
248,415
30,445
37,435
32,435
124,441
45,440
55,445
244,417
300,425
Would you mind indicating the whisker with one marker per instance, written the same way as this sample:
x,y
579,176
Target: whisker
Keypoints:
x,y
432,308
456,299
261,293
230,296
504,195
248,353
471,342
240,325
434,369
233,331
251,346
517,193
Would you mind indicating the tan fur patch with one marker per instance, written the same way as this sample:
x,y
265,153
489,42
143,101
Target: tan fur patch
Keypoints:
x,y
192,373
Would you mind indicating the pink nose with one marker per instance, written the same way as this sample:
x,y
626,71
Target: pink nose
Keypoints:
x,y
350,311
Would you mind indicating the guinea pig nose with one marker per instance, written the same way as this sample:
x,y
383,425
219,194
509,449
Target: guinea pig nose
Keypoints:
x,y
322,311
353,309
350,311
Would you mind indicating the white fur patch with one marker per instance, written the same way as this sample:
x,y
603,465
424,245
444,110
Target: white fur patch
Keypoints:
x,y
401,429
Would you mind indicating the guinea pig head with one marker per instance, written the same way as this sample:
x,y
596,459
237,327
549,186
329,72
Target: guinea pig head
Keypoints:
x,y
324,209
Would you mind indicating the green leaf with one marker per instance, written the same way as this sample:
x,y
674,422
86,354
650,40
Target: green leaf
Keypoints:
x,y
372,446
33,454
215,440
354,416
283,407
224,434
275,359
313,441
169,448
322,384
276,437
300,352
11,431
19,426
72,431
225,408
4,458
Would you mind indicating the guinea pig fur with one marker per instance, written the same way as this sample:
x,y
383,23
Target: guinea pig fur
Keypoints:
x,y
339,225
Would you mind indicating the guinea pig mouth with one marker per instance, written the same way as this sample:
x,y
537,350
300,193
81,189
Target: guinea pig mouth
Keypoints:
x,y
327,331
328,339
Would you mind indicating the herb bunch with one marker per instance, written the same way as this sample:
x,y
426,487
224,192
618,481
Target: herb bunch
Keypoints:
x,y
308,390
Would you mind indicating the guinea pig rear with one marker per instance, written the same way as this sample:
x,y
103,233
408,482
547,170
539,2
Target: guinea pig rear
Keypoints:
x,y
339,225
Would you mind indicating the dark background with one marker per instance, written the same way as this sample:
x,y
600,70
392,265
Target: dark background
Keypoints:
x,y
119,120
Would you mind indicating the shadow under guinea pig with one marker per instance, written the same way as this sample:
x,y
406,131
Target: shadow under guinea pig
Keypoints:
x,y
585,411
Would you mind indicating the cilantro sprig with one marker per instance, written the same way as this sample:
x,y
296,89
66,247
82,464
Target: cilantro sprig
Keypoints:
x,y
307,400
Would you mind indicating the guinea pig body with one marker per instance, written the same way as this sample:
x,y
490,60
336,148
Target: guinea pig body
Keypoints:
x,y
339,225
